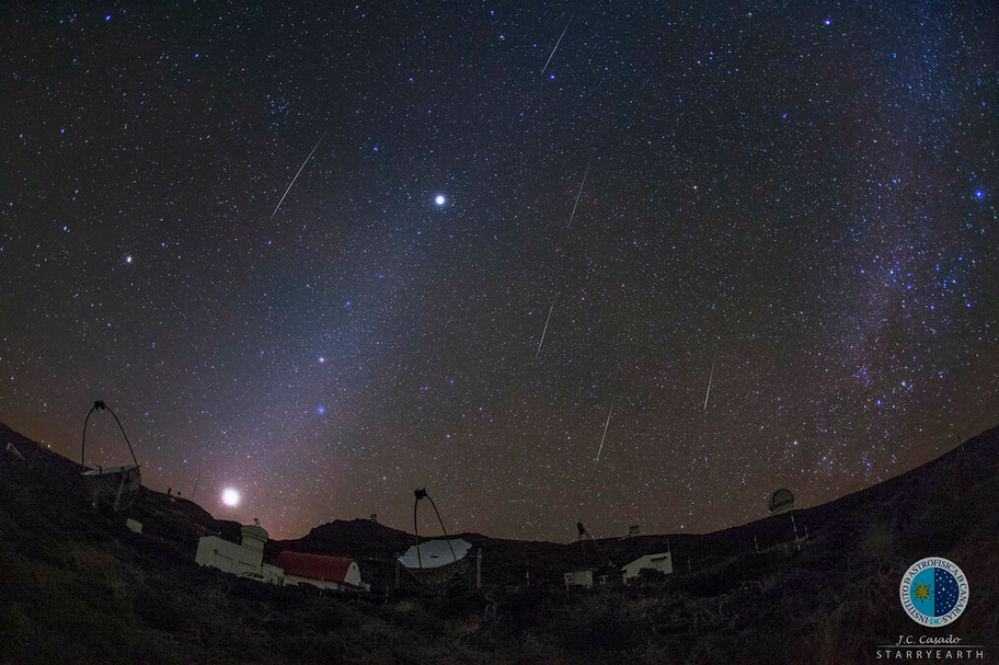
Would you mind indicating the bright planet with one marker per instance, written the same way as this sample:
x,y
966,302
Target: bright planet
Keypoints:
x,y
440,200
230,497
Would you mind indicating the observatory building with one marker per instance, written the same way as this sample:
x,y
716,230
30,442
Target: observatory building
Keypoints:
x,y
583,578
781,502
245,559
338,573
662,562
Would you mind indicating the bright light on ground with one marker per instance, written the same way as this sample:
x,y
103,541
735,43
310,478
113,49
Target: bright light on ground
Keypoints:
x,y
230,497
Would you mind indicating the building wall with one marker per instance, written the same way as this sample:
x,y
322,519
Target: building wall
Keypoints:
x,y
294,580
273,574
583,578
662,562
229,557
247,559
353,575
352,579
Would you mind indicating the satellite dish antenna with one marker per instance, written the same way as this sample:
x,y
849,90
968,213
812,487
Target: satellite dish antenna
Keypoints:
x,y
435,554
120,482
583,533
422,494
436,564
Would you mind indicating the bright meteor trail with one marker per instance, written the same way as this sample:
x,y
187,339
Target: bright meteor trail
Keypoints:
x,y
711,376
579,193
600,449
556,44
292,184
538,354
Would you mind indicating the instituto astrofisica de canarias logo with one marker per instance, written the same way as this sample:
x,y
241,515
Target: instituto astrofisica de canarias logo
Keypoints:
x,y
934,592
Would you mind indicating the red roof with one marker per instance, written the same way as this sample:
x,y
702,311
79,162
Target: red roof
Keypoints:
x,y
315,566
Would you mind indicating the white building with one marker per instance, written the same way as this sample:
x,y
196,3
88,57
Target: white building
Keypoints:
x,y
583,578
662,562
781,501
245,559
326,572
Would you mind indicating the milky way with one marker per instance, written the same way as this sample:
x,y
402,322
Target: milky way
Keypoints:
x,y
805,194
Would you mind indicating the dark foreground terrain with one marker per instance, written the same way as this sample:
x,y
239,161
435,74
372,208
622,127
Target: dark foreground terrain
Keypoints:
x,y
76,586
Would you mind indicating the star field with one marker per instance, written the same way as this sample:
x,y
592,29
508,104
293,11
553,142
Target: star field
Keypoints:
x,y
327,255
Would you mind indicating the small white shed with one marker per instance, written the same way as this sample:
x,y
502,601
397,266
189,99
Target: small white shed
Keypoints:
x,y
662,562
339,573
583,578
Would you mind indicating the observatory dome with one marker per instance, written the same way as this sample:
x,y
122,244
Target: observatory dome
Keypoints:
x,y
782,501
254,536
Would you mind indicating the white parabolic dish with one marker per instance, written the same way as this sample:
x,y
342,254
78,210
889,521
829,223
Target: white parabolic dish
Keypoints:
x,y
435,553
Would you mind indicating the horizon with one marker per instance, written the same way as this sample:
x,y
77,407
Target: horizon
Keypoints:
x,y
450,534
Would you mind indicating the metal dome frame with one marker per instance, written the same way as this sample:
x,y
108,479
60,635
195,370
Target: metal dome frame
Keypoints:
x,y
121,482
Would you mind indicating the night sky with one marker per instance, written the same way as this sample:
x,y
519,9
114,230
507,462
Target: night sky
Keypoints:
x,y
792,202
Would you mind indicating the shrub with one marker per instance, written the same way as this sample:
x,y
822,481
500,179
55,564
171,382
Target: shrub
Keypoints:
x,y
878,541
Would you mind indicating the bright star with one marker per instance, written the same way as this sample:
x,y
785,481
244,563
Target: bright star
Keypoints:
x,y
128,259
440,200
230,497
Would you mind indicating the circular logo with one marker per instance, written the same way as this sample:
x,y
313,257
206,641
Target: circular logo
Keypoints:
x,y
933,592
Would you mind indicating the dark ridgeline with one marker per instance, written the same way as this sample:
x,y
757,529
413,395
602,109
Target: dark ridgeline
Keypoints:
x,y
79,585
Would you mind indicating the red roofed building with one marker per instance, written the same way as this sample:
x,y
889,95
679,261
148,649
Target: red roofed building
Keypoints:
x,y
325,572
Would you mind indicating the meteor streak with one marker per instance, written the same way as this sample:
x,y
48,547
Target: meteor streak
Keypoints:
x,y
600,449
557,43
538,354
292,184
710,377
579,193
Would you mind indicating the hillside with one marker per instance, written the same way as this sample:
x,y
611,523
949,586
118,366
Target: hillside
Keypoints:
x,y
80,587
